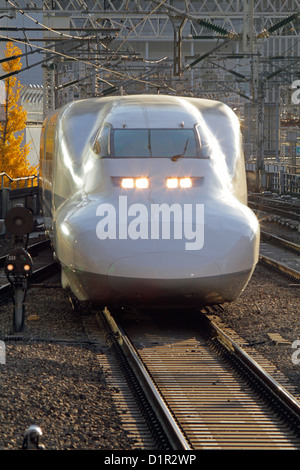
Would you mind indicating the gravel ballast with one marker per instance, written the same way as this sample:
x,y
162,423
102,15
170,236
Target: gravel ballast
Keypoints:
x,y
267,316
55,379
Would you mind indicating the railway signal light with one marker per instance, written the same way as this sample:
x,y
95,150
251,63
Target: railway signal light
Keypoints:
x,y
18,263
19,221
18,267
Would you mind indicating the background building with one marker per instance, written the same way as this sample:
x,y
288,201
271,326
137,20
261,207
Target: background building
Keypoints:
x,y
245,53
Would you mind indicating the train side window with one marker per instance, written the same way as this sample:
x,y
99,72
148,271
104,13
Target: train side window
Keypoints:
x,y
101,144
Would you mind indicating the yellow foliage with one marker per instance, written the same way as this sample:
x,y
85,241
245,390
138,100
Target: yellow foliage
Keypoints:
x,y
13,152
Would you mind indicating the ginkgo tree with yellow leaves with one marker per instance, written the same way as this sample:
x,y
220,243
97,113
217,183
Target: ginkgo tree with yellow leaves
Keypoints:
x,y
13,150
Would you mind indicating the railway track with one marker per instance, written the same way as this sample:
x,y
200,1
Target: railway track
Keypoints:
x,y
288,211
281,242
280,254
210,405
206,391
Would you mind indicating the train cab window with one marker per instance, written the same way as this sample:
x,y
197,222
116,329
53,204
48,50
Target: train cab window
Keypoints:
x,y
101,144
131,143
170,142
154,143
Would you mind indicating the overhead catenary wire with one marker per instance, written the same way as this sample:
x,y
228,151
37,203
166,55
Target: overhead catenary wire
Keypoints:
x,y
48,59
15,72
98,67
119,74
160,4
114,53
43,49
112,88
207,24
33,51
48,28
140,22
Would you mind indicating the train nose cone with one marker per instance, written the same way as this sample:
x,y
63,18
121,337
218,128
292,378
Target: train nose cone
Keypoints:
x,y
164,279
161,265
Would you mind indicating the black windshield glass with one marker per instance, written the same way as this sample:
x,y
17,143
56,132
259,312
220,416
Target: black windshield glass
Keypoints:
x,y
154,143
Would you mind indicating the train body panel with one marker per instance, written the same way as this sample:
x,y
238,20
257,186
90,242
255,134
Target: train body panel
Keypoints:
x,y
153,245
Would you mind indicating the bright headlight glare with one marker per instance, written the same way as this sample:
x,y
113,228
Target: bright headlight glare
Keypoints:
x,y
172,182
127,183
26,267
10,267
142,183
185,182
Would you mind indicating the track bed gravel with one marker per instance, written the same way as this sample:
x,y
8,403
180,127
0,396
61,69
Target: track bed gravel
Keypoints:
x,y
56,380
269,305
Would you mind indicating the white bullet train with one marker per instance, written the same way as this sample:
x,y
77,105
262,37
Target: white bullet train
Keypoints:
x,y
145,201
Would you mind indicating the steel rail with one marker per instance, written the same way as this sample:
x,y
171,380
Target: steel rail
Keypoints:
x,y
283,243
205,394
277,265
170,426
282,268
276,210
277,390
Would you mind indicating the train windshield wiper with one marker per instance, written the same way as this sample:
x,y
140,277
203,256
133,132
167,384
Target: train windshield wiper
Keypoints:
x,y
180,155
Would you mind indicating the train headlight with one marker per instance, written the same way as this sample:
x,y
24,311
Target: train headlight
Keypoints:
x,y
139,183
172,182
10,267
185,183
142,183
127,183
182,182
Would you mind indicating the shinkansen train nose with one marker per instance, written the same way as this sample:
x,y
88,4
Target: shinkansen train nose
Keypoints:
x,y
216,241
116,259
211,249
163,265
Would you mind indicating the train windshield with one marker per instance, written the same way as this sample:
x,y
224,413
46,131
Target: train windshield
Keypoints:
x,y
151,143
154,142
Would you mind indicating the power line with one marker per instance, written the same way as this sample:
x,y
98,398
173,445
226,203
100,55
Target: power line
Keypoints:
x,y
24,54
48,28
17,7
140,22
101,68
